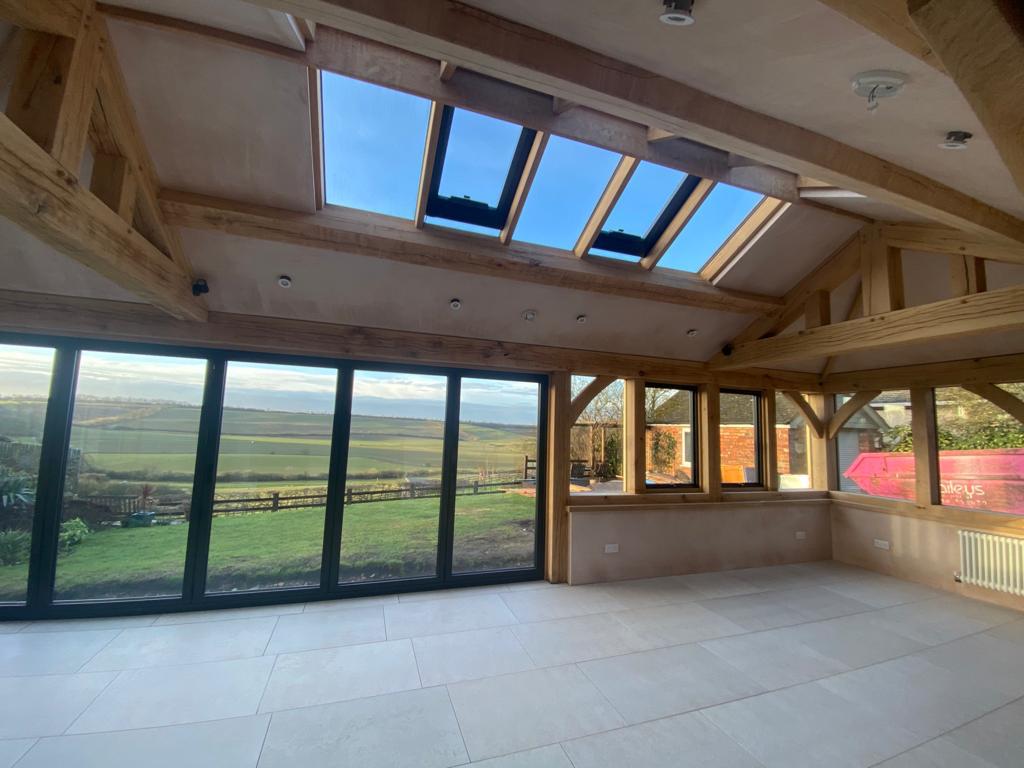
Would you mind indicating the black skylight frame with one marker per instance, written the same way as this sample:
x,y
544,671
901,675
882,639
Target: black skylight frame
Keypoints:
x,y
635,245
465,209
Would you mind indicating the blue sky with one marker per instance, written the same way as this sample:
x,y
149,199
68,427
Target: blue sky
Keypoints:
x,y
373,148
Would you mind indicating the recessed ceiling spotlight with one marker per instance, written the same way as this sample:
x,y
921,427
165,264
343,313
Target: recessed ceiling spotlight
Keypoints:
x,y
692,332
529,315
956,140
581,319
455,304
677,13
284,281
878,84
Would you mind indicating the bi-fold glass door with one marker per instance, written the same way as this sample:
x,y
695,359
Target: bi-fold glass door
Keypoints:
x,y
137,478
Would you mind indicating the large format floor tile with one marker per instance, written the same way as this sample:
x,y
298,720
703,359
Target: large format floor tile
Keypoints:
x,y
42,705
256,612
561,602
667,681
808,726
773,659
676,624
763,610
231,743
79,625
514,712
997,738
438,617
643,592
880,591
12,750
685,741
308,631
719,584
855,641
50,653
939,753
469,655
982,661
338,674
942,619
413,729
160,646
149,698
563,641
543,757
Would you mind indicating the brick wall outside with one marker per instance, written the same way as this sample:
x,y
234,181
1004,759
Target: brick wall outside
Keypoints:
x,y
738,445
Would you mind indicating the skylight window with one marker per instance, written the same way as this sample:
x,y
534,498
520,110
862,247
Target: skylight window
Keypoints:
x,y
565,190
647,205
724,209
477,168
373,145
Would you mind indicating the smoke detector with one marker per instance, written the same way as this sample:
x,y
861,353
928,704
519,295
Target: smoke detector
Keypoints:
x,y
878,84
956,140
677,13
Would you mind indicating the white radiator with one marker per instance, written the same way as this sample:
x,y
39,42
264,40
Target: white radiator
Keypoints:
x,y
991,561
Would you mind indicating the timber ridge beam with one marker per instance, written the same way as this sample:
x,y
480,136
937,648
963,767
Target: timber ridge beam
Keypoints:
x,y
384,237
490,45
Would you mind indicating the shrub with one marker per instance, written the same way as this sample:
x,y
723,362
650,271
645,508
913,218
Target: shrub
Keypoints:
x,y
72,533
14,547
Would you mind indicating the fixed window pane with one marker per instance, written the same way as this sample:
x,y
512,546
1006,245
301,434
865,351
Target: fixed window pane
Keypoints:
x,y
480,150
739,436
496,482
644,197
569,181
669,435
596,441
722,211
875,448
25,374
792,444
981,451
393,477
128,484
273,464
373,145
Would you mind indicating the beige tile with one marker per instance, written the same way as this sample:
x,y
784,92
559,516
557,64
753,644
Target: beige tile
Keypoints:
x,y
438,617
773,659
939,753
349,602
997,738
51,653
12,750
765,610
676,624
880,591
563,641
667,681
942,619
78,625
511,713
414,728
469,655
855,641
561,602
982,661
684,741
542,757
230,614
719,584
44,705
327,629
661,591
338,674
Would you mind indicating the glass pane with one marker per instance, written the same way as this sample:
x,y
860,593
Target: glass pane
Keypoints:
x,y
128,485
741,454
393,480
644,197
496,487
565,190
875,448
981,451
669,436
722,211
480,150
25,374
596,442
272,468
792,444
373,145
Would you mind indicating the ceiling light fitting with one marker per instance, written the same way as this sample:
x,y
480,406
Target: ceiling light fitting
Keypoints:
x,y
677,13
581,319
878,84
692,332
284,281
455,304
956,140
529,315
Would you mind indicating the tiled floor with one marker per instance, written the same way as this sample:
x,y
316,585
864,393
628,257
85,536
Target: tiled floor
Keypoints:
x,y
804,665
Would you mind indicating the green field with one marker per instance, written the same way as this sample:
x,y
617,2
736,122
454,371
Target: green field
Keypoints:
x,y
130,448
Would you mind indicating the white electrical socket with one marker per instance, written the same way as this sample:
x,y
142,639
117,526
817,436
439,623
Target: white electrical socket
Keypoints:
x,y
611,549
882,544
801,535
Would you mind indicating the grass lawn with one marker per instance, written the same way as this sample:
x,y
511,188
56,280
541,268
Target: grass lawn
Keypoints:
x,y
274,549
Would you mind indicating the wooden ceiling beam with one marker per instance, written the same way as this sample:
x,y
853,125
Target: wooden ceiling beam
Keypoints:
x,y
952,373
982,48
612,192
504,49
990,312
680,220
848,409
427,164
881,273
39,195
890,21
586,396
383,237
798,399
55,17
914,237
23,312
1000,398
758,221
540,143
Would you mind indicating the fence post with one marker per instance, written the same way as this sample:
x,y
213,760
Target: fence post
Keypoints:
x,y
275,500
476,486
